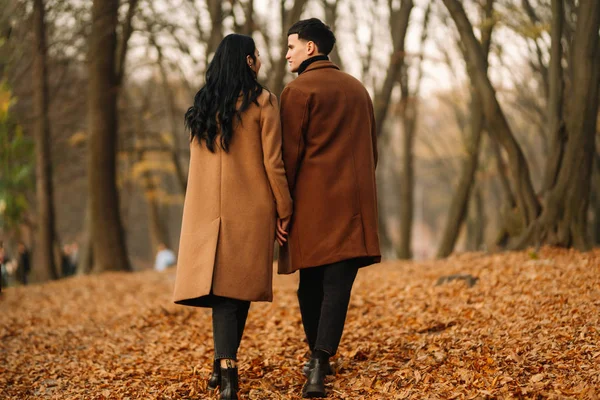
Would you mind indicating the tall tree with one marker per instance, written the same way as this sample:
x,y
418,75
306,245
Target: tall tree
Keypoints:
x,y
409,108
215,10
107,235
46,230
596,200
399,18
172,113
564,220
331,16
497,124
460,201
556,125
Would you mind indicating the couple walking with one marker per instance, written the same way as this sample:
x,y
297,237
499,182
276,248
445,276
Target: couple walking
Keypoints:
x,y
302,174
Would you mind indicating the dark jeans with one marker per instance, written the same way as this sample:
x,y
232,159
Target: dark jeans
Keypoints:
x,y
324,295
229,320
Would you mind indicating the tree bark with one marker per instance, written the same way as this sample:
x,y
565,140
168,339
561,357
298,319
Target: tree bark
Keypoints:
x,y
496,122
331,16
410,110
541,67
172,111
106,228
460,201
556,127
86,257
564,220
45,235
596,201
399,20
215,9
126,34
407,181
476,221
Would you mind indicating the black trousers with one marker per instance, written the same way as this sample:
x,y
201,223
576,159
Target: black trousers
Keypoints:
x,y
324,295
229,320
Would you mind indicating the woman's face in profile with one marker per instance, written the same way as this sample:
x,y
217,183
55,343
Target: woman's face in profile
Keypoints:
x,y
255,64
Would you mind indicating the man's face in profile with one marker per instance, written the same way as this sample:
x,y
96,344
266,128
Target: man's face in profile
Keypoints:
x,y
299,50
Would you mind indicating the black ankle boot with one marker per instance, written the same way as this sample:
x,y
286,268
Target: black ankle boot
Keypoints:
x,y
315,384
308,366
215,378
229,383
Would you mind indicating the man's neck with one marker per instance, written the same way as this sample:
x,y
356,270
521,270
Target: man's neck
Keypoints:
x,y
308,61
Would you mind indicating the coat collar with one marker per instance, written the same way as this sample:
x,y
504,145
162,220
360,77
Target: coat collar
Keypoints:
x,y
320,65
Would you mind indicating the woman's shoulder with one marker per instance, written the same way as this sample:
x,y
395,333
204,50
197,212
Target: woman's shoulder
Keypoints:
x,y
267,98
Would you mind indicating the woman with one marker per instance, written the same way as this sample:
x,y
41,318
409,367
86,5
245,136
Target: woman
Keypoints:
x,y
237,201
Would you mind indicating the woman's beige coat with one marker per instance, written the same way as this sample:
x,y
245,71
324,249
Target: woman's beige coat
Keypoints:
x,y
230,210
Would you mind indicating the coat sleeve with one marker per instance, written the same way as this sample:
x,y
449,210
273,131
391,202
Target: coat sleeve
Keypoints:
x,y
270,127
294,121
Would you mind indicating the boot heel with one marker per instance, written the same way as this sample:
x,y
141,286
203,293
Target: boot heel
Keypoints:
x,y
229,384
215,377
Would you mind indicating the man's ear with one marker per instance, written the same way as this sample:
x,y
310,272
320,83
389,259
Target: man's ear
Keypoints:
x,y
249,60
311,48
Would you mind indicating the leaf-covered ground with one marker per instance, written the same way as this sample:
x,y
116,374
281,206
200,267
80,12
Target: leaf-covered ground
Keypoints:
x,y
529,328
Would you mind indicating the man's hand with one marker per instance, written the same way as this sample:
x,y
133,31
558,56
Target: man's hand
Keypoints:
x,y
281,231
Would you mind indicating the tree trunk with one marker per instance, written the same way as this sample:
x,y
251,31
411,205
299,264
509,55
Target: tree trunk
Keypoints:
x,y
172,111
556,126
331,16
596,201
460,201
407,182
45,235
496,122
85,258
249,24
399,20
564,220
410,111
106,228
476,222
157,232
215,9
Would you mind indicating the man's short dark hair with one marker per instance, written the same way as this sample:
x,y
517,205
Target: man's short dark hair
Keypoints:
x,y
313,30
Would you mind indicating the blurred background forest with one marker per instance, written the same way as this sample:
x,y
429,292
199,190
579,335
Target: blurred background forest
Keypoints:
x,y
487,112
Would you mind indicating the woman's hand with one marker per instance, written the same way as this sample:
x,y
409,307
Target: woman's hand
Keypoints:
x,y
281,231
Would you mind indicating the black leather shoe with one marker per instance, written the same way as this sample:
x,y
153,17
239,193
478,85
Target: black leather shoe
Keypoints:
x,y
229,384
315,384
215,378
307,367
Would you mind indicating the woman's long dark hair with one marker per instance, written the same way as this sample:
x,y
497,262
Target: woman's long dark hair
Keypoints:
x,y
227,78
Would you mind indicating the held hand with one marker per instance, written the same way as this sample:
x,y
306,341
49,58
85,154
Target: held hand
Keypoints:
x,y
281,231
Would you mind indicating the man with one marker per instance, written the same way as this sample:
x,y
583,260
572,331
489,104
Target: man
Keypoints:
x,y
330,154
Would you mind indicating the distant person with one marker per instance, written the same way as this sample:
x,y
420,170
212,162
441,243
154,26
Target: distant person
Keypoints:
x,y
3,269
330,155
165,258
237,201
67,266
24,264
74,254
